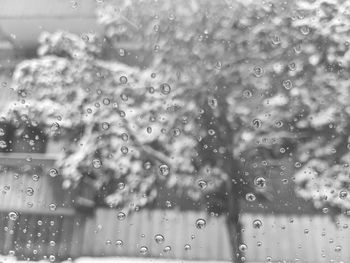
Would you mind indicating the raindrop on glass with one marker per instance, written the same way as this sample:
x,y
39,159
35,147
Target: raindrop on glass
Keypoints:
x,y
250,197
260,182
125,137
202,184
105,125
164,170
52,207
167,249
124,149
287,84
96,163
257,123
257,223
159,238
343,194
242,247
165,88
13,215
143,250
29,191
247,94
121,216
200,223
3,144
187,247
119,243
123,79
258,71
53,172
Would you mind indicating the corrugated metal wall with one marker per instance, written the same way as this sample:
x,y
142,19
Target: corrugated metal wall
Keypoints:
x,y
306,238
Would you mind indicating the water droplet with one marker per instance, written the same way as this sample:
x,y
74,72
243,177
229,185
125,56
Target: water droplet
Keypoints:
x,y
171,16
29,191
119,243
52,207
55,127
164,170
187,247
123,79
211,132
35,177
124,97
52,243
305,30
165,88
105,125
159,238
278,124
53,172
13,216
212,102
257,223
292,66
242,247
125,137
247,94
121,216
121,186
176,132
2,132
167,249
3,144
85,37
218,65
106,101
276,40
124,149
200,223
156,48
257,123
168,204
147,165
343,194
52,258
287,84
250,197
122,52
202,184
143,250
297,165
96,163
258,71
149,130
260,182
337,248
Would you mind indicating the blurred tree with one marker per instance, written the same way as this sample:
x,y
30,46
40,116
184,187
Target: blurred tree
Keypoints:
x,y
225,92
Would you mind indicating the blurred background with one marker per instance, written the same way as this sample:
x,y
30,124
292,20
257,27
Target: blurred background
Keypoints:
x,y
187,130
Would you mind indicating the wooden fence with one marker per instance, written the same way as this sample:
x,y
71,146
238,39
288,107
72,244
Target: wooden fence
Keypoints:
x,y
292,239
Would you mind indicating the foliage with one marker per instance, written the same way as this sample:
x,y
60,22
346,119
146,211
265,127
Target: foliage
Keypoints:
x,y
230,86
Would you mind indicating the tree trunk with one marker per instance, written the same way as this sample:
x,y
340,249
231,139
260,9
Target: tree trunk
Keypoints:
x,y
232,222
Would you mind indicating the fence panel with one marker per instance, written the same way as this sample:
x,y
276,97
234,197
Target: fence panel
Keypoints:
x,y
306,238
